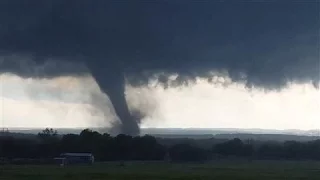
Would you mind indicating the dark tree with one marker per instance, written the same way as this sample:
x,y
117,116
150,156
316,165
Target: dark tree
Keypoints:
x,y
187,153
49,143
234,147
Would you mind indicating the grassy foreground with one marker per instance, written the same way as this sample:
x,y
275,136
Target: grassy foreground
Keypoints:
x,y
223,170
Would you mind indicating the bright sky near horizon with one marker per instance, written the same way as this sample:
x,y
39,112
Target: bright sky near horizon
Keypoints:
x,y
78,102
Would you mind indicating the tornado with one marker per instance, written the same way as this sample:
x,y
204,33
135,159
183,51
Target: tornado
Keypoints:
x,y
112,82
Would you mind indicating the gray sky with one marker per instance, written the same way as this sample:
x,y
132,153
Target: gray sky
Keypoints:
x,y
263,45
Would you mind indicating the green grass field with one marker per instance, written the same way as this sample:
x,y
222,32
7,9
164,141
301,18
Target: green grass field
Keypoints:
x,y
257,170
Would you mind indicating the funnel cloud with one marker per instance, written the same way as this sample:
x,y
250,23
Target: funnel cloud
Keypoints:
x,y
266,45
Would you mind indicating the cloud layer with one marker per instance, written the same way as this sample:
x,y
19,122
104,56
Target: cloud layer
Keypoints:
x,y
182,37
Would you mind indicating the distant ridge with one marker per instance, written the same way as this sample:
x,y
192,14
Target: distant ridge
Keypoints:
x,y
196,133
199,131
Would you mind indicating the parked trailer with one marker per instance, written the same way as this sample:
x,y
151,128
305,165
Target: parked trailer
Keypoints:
x,y
75,158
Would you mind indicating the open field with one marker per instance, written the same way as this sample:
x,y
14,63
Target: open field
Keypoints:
x,y
256,170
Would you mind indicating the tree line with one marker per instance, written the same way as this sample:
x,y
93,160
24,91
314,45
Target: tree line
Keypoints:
x,y
49,144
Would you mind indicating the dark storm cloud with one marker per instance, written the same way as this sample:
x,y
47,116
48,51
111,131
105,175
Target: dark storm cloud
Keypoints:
x,y
271,42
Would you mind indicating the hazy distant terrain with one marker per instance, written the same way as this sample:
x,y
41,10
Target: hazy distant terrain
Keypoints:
x,y
193,133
